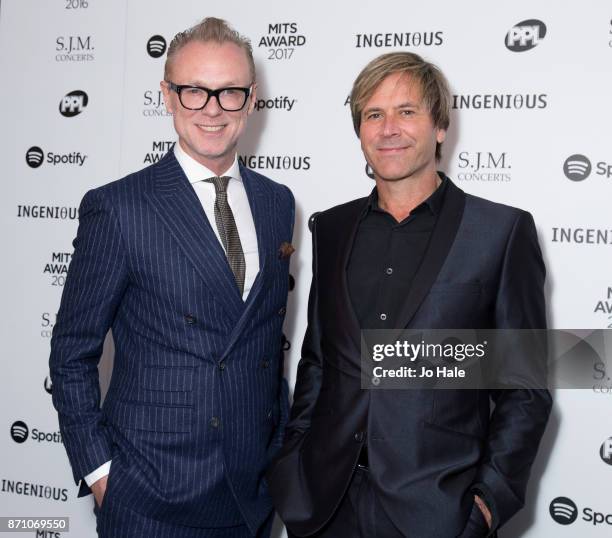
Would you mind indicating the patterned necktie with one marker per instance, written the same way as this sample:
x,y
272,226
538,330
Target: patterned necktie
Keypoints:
x,y
228,232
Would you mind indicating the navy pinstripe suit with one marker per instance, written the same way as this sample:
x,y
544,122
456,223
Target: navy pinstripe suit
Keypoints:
x,y
196,404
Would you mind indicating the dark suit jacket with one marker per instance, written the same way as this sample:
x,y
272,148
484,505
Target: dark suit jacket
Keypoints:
x,y
196,405
427,448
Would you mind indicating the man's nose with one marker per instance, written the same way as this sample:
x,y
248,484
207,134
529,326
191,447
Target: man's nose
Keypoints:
x,y
213,108
390,126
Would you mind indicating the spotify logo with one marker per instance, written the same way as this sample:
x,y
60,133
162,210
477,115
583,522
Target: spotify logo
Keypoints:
x,y
35,156
577,167
19,431
156,46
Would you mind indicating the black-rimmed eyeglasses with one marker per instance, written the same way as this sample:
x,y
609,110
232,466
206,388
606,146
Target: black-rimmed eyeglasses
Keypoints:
x,y
230,99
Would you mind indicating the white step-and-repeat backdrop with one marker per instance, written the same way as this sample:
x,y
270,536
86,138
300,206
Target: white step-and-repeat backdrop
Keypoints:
x,y
531,127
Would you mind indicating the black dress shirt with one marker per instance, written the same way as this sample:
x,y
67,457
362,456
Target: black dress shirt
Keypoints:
x,y
386,255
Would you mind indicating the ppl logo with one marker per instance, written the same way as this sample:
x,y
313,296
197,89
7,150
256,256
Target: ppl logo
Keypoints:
x,y
35,157
577,167
525,35
73,103
563,510
19,431
156,46
606,451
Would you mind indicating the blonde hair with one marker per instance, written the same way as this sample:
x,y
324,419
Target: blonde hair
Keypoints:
x,y
432,82
209,29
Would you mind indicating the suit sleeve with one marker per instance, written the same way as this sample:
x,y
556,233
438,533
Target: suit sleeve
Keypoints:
x,y
96,281
520,415
309,373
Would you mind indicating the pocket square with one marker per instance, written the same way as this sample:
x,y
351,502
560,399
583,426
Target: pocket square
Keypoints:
x,y
285,250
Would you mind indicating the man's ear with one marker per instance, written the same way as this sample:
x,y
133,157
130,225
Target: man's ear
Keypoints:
x,y
252,98
440,135
166,91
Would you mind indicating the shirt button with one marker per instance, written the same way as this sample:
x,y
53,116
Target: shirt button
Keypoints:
x,y
389,270
281,311
214,422
359,437
383,317
222,366
265,363
189,319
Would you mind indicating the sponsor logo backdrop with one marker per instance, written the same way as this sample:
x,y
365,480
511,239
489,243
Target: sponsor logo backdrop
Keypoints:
x,y
530,127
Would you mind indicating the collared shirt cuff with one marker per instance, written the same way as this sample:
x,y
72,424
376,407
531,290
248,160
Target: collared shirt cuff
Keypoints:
x,y
100,472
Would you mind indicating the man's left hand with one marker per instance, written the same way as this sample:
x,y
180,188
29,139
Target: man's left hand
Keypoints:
x,y
484,509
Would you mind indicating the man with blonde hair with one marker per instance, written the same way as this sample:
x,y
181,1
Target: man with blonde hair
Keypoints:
x,y
417,253
187,261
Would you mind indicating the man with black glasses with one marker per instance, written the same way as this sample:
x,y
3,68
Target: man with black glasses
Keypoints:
x,y
187,262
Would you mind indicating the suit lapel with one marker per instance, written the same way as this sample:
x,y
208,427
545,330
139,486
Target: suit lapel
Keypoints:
x,y
347,227
263,208
442,239
175,201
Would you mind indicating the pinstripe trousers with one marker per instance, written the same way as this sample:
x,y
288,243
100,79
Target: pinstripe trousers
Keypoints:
x,y
117,521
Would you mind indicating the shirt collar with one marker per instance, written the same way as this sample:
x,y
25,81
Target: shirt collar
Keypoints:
x,y
433,203
198,172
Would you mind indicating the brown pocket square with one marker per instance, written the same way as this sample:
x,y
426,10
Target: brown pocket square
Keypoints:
x,y
285,250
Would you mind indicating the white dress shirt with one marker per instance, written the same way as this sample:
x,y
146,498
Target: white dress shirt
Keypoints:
x,y
237,198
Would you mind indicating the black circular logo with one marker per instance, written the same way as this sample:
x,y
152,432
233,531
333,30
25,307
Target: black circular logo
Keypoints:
x,y
48,385
369,172
156,46
35,156
563,510
577,167
19,431
525,35
311,220
606,451
73,103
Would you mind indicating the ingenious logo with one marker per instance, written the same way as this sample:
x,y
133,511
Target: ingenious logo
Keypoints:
x,y
525,35
156,46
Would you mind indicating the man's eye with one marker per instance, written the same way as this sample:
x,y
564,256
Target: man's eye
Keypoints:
x,y
373,116
407,112
194,91
230,91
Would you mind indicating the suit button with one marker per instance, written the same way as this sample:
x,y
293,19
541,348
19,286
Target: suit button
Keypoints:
x,y
189,319
215,422
359,436
281,311
265,363
222,365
